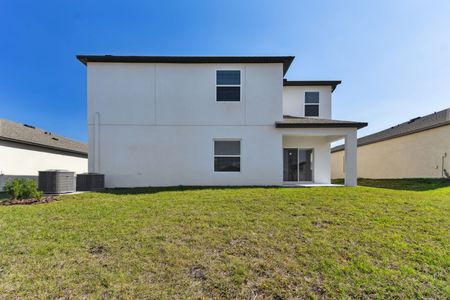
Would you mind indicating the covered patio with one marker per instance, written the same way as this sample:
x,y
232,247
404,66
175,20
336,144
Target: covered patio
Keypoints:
x,y
306,149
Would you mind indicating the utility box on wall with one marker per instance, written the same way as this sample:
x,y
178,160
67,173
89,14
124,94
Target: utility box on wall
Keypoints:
x,y
56,181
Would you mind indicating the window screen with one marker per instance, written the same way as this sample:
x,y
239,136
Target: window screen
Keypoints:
x,y
228,77
312,97
227,148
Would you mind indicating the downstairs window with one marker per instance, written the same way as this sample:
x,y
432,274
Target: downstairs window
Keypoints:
x,y
227,156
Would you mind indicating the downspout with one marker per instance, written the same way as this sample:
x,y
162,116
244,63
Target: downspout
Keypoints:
x,y
442,168
97,142
444,171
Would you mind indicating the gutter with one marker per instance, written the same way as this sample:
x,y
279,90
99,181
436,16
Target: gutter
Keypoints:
x,y
84,154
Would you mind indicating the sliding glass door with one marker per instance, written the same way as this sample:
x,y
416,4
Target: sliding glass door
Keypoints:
x,y
298,165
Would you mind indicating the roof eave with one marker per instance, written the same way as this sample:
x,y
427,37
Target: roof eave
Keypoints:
x,y
285,60
332,83
82,59
2,138
357,125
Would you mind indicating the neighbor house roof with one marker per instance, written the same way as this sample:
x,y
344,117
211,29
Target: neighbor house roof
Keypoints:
x,y
29,135
285,60
332,83
302,122
415,125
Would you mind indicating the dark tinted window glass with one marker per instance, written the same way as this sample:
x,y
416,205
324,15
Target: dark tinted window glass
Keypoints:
x,y
228,78
227,164
228,93
227,147
305,165
290,162
297,165
311,110
311,97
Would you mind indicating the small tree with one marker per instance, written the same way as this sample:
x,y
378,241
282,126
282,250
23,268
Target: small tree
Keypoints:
x,y
20,188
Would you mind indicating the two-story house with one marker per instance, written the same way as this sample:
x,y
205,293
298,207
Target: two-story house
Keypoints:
x,y
166,121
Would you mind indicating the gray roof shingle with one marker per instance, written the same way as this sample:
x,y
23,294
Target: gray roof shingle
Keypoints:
x,y
29,135
437,119
303,122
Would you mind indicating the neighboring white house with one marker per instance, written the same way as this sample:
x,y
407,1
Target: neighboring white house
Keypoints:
x,y
165,121
418,148
26,150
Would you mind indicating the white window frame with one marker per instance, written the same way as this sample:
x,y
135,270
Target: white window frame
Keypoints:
x,y
229,85
305,104
223,155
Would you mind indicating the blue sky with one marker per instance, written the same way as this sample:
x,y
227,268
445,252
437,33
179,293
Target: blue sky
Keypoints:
x,y
392,56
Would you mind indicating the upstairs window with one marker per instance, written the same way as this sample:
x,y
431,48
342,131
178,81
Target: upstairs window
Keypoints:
x,y
228,85
311,104
227,156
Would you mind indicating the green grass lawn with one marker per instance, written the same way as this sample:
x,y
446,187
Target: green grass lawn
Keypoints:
x,y
274,243
413,184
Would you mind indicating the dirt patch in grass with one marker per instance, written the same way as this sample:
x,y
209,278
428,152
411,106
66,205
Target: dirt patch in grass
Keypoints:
x,y
97,249
198,273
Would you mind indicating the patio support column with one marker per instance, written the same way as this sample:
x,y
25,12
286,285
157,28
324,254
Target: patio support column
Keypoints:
x,y
350,157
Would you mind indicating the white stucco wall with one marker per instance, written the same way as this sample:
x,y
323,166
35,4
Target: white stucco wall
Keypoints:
x,y
25,160
182,94
144,155
184,155
294,100
154,125
157,123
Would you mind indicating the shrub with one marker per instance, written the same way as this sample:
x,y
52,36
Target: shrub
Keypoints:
x,y
20,188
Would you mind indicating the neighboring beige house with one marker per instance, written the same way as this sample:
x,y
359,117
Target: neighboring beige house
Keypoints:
x,y
419,148
26,150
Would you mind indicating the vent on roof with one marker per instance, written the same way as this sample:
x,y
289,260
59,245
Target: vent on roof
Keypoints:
x,y
412,120
29,126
